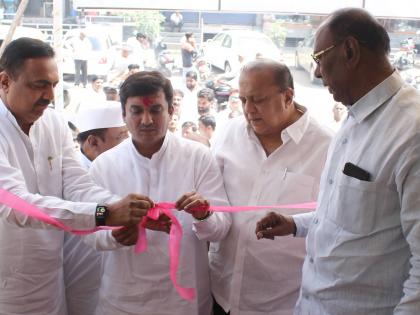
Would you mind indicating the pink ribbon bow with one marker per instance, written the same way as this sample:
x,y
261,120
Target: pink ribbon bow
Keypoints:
x,y
175,237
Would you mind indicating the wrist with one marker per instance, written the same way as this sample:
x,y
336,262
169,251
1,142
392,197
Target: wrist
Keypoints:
x,y
204,217
293,226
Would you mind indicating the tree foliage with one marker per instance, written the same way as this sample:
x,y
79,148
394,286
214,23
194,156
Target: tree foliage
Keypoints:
x,y
277,32
147,22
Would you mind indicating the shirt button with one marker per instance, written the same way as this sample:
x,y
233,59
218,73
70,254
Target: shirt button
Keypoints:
x,y
306,297
316,220
344,141
330,181
311,260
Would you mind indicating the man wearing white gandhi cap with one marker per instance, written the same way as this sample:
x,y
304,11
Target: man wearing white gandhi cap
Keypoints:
x,y
100,129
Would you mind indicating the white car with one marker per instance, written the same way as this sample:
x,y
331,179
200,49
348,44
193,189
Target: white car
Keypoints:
x,y
100,58
304,60
223,49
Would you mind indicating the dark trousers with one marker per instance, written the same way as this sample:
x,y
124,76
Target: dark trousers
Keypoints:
x,y
178,26
80,72
218,310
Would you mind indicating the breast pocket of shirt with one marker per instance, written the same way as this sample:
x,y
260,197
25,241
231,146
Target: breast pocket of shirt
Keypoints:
x,y
362,207
295,187
51,175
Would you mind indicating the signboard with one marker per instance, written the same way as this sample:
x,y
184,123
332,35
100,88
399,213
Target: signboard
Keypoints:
x,y
194,5
380,8
287,6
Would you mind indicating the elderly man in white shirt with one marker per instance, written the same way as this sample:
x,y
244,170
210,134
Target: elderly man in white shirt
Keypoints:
x,y
363,241
38,164
100,129
274,154
167,168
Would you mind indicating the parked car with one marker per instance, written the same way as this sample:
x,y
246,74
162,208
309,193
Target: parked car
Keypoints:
x,y
223,49
101,57
304,60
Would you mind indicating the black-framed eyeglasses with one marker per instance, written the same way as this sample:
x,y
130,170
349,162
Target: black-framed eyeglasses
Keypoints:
x,y
317,56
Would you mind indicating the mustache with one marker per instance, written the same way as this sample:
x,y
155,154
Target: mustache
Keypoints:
x,y
146,127
43,102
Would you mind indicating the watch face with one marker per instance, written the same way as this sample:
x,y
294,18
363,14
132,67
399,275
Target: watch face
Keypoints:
x,y
101,209
100,215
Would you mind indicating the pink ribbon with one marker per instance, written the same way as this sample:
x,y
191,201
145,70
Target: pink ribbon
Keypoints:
x,y
22,206
175,233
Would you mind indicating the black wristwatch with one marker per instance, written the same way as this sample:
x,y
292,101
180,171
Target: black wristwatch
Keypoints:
x,y
101,213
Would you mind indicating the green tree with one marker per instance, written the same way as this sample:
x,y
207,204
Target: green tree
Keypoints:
x,y
277,32
147,22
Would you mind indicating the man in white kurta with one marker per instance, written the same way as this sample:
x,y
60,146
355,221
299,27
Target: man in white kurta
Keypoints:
x,y
363,241
38,163
250,276
139,283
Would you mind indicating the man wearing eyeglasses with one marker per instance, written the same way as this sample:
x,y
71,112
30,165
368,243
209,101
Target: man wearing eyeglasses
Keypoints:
x,y
363,241
273,154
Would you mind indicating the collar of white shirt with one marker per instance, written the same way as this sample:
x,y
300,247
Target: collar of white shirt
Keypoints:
x,y
159,154
376,97
4,111
295,131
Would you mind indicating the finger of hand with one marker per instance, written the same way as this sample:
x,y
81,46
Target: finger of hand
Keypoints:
x,y
164,218
130,234
181,200
158,226
139,197
118,232
198,204
185,202
269,221
141,204
265,234
129,239
123,234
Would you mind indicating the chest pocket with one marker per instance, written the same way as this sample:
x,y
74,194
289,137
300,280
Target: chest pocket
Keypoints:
x,y
50,177
363,207
295,188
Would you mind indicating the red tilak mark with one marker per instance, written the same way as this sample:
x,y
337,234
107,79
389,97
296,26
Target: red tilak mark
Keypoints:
x,y
147,101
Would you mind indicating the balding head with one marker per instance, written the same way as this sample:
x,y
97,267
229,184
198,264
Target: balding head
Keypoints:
x,y
351,50
280,72
359,24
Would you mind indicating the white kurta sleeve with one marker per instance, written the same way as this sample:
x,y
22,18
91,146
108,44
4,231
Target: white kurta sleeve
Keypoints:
x,y
73,214
102,240
408,183
80,193
302,221
210,186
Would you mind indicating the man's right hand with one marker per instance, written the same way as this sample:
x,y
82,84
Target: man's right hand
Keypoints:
x,y
129,210
275,224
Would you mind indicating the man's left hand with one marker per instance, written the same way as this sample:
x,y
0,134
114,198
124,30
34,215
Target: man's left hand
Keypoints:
x,y
193,200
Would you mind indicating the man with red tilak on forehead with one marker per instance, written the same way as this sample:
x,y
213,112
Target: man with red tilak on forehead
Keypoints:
x,y
167,168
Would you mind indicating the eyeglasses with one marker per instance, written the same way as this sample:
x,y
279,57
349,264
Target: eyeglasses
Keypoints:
x,y
317,56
